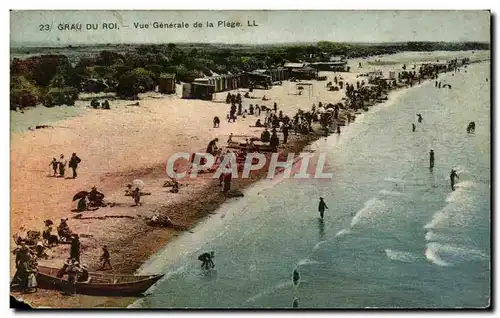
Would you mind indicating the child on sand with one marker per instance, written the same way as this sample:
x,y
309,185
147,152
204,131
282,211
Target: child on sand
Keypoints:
x,y
54,164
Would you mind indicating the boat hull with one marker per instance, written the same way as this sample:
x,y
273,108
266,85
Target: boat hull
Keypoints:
x,y
99,284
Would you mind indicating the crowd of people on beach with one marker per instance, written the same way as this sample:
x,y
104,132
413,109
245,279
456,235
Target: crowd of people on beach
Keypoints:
x,y
34,247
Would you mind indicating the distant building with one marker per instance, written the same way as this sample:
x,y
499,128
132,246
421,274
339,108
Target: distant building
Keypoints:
x,y
166,83
293,66
335,66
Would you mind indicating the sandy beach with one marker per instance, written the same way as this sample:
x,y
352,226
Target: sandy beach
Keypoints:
x,y
134,142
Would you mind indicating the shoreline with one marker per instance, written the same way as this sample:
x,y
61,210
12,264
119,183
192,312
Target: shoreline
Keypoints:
x,y
134,241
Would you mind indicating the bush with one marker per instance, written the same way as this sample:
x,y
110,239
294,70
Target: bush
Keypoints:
x,y
23,93
134,82
61,96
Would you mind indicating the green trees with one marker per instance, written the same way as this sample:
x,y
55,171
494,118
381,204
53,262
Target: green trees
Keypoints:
x,y
23,93
134,82
129,70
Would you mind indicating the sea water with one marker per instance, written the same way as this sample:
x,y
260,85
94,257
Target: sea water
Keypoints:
x,y
395,234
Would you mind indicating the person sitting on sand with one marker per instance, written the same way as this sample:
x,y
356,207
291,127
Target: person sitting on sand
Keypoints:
x,y
230,138
264,97
247,95
216,122
54,165
258,123
84,274
63,230
96,198
212,146
82,204
128,191
175,187
265,136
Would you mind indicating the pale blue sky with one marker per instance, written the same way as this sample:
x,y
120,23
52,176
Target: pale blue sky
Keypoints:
x,y
273,26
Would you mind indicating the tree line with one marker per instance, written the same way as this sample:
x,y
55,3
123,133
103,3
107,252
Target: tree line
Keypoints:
x,y
54,79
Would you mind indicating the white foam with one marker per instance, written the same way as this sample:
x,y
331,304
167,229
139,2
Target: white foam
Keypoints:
x,y
433,257
433,236
270,290
447,254
390,193
370,208
307,261
342,232
437,218
167,276
318,245
466,184
395,180
406,257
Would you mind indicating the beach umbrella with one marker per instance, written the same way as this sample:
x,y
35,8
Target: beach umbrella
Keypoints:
x,y
138,183
79,195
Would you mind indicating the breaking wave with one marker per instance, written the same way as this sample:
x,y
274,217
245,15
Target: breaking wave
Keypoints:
x,y
405,257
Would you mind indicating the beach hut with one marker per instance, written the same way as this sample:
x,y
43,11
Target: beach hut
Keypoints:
x,y
305,73
294,66
202,91
166,83
186,90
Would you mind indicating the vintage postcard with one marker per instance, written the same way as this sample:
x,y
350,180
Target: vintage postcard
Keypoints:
x,y
250,159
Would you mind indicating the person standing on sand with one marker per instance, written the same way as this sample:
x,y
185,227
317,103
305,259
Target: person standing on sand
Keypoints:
x,y
73,163
62,165
105,258
136,194
453,175
73,270
321,207
285,133
75,248
431,159
54,164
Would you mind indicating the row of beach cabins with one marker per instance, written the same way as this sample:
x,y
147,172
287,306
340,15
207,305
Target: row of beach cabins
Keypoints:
x,y
204,88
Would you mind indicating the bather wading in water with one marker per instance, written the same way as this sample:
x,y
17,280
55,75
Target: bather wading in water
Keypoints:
x,y
431,159
420,119
321,207
207,260
453,175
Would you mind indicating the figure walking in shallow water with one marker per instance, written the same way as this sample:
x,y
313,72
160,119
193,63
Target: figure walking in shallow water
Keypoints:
x,y
321,207
431,159
453,175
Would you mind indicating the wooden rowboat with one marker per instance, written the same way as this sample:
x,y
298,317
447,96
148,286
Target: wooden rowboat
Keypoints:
x,y
98,284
